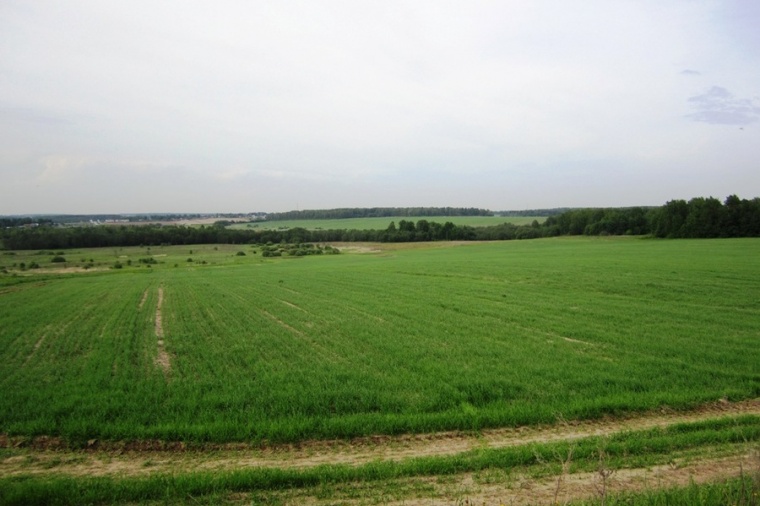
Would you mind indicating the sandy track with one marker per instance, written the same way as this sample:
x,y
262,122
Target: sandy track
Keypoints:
x,y
520,489
50,456
163,360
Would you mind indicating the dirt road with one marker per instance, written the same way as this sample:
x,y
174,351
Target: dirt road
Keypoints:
x,y
48,456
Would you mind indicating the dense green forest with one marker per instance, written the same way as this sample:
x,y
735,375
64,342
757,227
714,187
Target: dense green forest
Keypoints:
x,y
376,212
697,218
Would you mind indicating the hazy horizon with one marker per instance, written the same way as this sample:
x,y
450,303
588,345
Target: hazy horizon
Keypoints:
x,y
235,107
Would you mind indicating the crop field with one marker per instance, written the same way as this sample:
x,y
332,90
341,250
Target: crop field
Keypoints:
x,y
382,223
209,347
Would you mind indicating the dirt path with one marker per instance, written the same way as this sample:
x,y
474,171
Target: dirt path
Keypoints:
x,y
520,489
144,298
46,456
163,360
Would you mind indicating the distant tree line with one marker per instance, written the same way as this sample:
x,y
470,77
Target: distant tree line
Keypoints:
x,y
6,222
68,219
534,212
376,212
697,218
707,217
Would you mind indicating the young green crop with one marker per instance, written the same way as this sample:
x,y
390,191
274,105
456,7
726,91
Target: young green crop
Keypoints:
x,y
404,340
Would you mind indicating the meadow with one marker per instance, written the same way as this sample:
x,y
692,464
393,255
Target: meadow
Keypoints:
x,y
203,344
382,223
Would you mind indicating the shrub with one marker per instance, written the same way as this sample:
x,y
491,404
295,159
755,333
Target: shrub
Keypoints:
x,y
58,259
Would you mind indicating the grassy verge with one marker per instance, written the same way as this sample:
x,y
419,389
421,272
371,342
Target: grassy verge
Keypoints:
x,y
744,491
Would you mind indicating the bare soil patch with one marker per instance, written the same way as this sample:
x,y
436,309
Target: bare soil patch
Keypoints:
x,y
380,247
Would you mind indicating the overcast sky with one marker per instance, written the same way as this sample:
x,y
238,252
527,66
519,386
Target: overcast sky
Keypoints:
x,y
237,106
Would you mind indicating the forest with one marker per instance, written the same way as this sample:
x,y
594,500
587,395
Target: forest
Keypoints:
x,y
376,212
698,218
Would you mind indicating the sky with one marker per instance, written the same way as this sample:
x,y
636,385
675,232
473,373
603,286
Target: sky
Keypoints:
x,y
243,106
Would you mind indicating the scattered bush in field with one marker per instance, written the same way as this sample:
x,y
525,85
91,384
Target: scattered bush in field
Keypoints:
x,y
58,259
148,261
240,253
117,265
34,265
297,250
189,259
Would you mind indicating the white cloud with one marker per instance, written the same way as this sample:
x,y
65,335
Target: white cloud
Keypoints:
x,y
300,94
718,106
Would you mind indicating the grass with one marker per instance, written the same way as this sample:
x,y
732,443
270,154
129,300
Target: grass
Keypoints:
x,y
382,223
405,340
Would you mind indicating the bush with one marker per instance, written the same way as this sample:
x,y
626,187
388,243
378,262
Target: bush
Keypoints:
x,y
58,259
240,253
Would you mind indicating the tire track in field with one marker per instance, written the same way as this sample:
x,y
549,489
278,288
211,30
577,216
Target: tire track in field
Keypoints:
x,y
129,459
281,323
163,360
35,348
144,298
294,306
522,489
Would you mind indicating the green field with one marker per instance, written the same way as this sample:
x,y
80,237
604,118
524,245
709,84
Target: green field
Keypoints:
x,y
382,223
385,340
